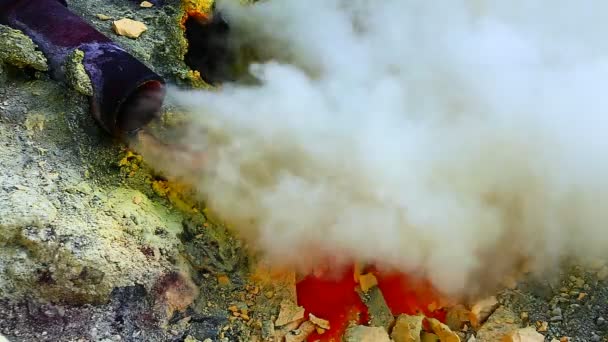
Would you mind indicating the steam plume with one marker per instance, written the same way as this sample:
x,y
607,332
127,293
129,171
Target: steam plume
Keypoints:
x,y
451,140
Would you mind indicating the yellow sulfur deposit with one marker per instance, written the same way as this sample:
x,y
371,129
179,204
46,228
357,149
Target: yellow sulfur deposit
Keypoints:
x,y
197,6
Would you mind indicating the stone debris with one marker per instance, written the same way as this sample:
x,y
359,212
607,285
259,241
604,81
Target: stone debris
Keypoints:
x,y
528,334
367,281
176,291
289,312
407,328
223,280
457,316
319,322
380,314
146,4
301,333
129,28
19,50
542,326
443,331
102,16
362,333
268,331
77,77
499,324
481,310
281,333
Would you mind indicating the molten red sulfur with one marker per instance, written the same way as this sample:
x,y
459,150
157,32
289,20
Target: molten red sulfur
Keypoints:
x,y
333,300
337,301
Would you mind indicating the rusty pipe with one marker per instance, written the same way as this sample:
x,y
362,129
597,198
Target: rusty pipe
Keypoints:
x,y
127,95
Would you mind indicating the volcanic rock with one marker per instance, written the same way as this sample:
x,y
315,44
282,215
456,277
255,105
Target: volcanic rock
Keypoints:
x,y
457,316
380,314
499,324
290,312
319,322
481,310
443,331
367,281
129,28
361,333
301,333
407,328
524,335
19,50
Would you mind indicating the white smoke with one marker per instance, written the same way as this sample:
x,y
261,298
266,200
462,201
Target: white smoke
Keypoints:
x,y
447,139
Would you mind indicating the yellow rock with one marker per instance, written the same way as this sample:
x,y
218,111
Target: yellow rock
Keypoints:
x,y
481,310
301,333
407,328
524,335
290,312
361,333
146,4
129,28
367,281
321,323
443,331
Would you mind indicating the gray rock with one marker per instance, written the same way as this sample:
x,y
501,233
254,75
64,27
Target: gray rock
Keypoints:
x,y
556,312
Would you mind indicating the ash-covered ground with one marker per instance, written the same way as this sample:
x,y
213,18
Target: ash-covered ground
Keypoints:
x,y
94,246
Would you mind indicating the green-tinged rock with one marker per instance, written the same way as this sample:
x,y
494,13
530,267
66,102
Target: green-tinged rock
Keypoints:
x,y
18,50
76,75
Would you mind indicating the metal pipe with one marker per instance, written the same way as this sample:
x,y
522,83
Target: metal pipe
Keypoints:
x,y
127,95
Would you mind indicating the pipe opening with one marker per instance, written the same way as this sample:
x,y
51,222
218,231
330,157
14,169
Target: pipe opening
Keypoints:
x,y
141,107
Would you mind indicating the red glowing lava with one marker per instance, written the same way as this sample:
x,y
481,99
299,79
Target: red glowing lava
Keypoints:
x,y
333,300
337,301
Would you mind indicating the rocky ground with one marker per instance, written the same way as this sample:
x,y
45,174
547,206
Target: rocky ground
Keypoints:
x,y
94,246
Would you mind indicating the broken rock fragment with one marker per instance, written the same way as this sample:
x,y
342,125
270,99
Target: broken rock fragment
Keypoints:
x,y
499,324
146,4
319,322
361,333
367,281
457,316
444,332
129,28
481,310
528,334
175,291
407,328
380,314
301,333
289,312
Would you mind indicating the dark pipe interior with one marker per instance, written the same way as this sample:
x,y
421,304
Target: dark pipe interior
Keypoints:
x,y
141,107
209,50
